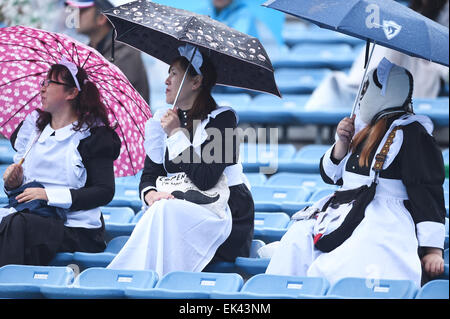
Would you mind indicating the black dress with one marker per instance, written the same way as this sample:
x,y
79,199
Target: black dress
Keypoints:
x,y
26,238
206,175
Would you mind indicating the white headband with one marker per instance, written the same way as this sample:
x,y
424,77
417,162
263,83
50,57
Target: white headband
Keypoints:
x,y
72,68
383,70
187,50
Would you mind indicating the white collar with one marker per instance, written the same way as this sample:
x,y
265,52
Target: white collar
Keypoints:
x,y
60,134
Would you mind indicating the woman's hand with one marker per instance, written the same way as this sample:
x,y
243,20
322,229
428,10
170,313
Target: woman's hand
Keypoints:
x,y
13,176
154,196
170,122
344,131
432,262
32,193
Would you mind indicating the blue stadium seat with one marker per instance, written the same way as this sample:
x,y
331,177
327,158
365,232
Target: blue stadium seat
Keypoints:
x,y
298,34
6,152
20,281
316,56
306,160
368,289
129,180
445,185
237,101
322,192
188,285
299,81
311,181
88,260
263,286
269,109
118,221
126,196
436,109
262,157
256,179
253,264
435,289
101,283
270,227
62,259
271,198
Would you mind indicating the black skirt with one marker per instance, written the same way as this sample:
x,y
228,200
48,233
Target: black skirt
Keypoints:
x,y
30,239
243,218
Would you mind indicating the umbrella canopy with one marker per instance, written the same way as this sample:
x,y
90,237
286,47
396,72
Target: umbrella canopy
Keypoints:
x,y
385,22
26,54
240,60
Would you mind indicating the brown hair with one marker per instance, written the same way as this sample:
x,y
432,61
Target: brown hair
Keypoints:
x,y
374,134
88,106
204,102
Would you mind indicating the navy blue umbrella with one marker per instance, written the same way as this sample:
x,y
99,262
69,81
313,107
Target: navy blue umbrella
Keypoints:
x,y
384,22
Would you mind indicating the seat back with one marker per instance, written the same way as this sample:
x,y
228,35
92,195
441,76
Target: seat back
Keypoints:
x,y
435,289
117,215
116,244
286,285
201,281
116,279
364,288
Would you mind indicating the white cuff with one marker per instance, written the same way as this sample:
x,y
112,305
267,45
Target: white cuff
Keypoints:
x,y
333,171
59,197
177,143
144,204
431,234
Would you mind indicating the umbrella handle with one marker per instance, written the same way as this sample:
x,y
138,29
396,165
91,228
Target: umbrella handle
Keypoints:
x,y
184,77
362,81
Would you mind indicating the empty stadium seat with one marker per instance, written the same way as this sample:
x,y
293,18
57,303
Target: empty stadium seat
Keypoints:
x,y
306,160
370,289
270,227
299,81
435,289
88,260
6,152
274,286
271,198
129,180
436,109
117,221
237,101
21,281
269,109
126,196
316,56
96,283
311,181
264,158
256,179
190,285
253,264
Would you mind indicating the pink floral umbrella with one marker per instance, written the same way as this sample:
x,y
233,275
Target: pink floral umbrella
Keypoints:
x,y
26,54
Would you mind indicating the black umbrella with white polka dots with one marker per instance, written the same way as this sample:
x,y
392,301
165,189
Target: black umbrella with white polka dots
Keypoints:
x,y
158,30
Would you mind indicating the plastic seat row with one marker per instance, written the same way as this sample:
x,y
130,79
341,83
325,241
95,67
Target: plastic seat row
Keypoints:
x,y
18,281
270,159
296,86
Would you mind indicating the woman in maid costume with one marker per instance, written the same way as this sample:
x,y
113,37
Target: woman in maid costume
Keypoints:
x,y
387,220
63,172
176,234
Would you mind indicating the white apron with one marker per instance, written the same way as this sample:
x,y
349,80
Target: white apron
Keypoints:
x,y
383,246
175,235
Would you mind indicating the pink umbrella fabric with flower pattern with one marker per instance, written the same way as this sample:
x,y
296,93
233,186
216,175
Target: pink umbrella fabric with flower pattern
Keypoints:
x,y
26,54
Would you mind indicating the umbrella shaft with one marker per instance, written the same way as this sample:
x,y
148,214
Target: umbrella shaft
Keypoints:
x,y
184,77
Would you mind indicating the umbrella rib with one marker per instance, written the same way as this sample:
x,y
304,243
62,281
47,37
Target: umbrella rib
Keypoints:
x,y
120,102
20,78
120,91
124,140
28,47
20,109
